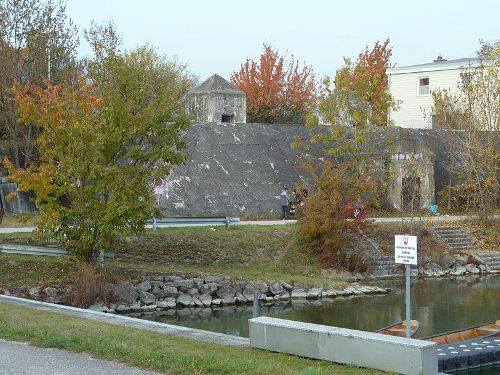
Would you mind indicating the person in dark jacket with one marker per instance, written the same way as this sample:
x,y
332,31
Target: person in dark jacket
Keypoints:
x,y
285,204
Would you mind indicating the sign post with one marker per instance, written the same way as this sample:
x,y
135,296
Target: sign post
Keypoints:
x,y
405,252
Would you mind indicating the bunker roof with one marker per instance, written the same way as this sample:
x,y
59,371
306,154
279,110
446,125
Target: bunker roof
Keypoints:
x,y
216,84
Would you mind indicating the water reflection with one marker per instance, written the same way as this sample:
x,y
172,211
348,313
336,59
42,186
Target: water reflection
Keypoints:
x,y
440,305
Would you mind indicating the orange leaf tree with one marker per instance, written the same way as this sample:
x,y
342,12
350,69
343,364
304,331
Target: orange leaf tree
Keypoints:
x,y
101,146
360,89
277,92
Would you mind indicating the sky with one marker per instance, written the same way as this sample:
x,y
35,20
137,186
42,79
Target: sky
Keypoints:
x,y
217,36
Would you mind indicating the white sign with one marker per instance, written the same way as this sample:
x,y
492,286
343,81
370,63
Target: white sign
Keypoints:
x,y
405,249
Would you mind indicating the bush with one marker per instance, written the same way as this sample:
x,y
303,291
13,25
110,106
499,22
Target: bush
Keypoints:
x,y
327,222
90,285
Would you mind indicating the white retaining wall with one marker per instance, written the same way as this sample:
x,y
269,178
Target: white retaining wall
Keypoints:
x,y
348,346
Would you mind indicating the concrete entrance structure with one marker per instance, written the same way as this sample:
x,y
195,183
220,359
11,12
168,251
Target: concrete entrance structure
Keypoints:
x,y
348,346
216,100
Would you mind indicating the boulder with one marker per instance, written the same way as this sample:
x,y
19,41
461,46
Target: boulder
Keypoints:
x,y
50,292
240,285
193,292
314,293
145,286
34,292
226,292
170,301
100,307
299,293
471,267
330,293
122,309
198,282
213,279
216,301
158,284
147,298
432,267
170,291
148,308
163,305
127,293
459,270
157,290
206,299
262,286
286,286
197,302
240,298
277,289
448,261
136,307
171,278
209,288
185,285
184,300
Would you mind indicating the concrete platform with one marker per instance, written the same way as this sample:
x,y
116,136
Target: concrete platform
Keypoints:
x,y
348,346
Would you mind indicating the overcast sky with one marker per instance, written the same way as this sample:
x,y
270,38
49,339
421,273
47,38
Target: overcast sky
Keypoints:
x,y
216,36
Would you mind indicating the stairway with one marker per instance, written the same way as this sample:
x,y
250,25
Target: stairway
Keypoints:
x,y
492,260
457,239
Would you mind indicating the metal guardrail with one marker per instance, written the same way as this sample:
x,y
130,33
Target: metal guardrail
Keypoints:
x,y
32,250
194,220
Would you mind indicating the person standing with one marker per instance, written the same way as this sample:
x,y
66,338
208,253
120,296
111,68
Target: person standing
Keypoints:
x,y
285,204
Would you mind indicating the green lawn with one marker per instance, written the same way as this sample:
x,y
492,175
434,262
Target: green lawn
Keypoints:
x,y
149,350
270,253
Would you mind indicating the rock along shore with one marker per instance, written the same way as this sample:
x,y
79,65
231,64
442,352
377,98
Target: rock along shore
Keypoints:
x,y
170,292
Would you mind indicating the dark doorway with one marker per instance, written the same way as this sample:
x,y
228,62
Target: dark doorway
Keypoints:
x,y
227,118
410,194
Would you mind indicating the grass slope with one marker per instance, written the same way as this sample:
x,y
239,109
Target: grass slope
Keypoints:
x,y
149,350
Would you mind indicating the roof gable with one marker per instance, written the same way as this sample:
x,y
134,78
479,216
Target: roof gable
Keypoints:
x,y
216,84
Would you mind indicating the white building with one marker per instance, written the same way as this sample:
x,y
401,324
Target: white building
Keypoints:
x,y
412,85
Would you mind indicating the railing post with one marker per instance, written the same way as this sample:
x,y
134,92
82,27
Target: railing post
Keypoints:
x,y
255,309
227,222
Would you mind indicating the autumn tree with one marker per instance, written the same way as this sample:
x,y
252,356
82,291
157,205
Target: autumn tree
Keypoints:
x,y
359,92
104,138
37,42
277,91
468,121
350,107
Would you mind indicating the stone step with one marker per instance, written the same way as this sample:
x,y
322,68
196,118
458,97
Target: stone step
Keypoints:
x,y
488,255
462,236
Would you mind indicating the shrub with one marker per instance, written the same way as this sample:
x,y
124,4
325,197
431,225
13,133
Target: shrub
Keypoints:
x,y
327,222
90,285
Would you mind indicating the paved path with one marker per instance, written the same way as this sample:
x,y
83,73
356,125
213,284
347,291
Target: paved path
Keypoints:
x,y
285,222
22,359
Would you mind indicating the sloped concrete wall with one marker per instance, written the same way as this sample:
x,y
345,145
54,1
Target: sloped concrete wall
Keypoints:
x,y
239,169
234,169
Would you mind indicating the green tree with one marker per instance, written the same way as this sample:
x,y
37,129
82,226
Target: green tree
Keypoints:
x,y
37,41
104,139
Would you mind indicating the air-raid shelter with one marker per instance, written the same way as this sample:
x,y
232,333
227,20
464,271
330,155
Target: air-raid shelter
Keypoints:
x,y
216,100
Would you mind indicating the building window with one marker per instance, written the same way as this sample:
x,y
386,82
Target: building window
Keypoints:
x,y
423,86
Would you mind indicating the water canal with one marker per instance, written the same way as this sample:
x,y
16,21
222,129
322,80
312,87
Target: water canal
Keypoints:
x,y
441,305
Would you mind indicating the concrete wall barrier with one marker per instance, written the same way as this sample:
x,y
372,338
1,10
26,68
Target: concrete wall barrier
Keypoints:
x,y
348,346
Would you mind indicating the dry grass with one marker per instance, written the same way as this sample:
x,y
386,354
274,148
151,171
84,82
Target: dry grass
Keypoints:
x,y
90,284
